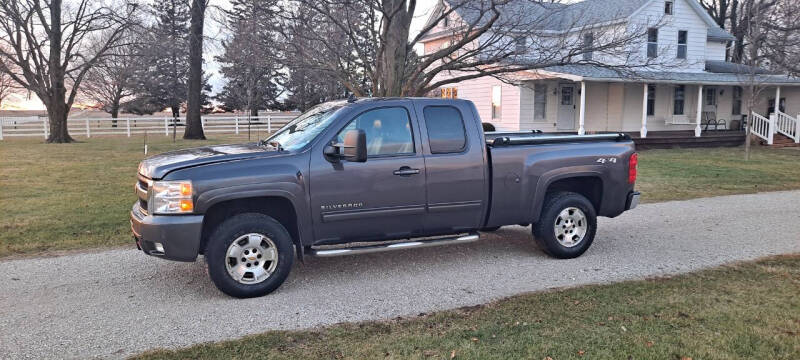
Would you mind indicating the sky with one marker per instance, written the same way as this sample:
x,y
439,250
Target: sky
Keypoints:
x,y
25,101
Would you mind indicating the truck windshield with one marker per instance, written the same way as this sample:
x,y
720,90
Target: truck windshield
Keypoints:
x,y
305,127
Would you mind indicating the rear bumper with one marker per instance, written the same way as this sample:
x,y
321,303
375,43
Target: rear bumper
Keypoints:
x,y
633,200
179,235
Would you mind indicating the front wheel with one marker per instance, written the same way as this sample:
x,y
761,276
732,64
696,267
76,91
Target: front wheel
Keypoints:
x,y
567,225
249,255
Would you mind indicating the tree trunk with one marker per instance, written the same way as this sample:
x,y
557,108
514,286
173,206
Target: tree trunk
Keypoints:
x,y
393,57
57,110
194,127
114,113
57,115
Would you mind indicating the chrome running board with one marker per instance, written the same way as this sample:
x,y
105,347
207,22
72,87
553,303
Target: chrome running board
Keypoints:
x,y
394,246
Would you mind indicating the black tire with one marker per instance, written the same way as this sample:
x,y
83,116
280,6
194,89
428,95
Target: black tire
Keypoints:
x,y
543,230
235,227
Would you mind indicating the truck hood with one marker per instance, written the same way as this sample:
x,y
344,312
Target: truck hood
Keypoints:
x,y
158,166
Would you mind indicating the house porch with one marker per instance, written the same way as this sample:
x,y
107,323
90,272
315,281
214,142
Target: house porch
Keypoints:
x,y
660,110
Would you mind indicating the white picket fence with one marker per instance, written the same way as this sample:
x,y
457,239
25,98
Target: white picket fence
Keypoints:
x,y
127,126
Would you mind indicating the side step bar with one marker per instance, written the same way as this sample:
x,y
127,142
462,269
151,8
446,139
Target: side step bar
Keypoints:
x,y
394,246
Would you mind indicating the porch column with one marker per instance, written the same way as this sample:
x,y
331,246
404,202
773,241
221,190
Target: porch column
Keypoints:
x,y
643,131
777,99
582,116
697,129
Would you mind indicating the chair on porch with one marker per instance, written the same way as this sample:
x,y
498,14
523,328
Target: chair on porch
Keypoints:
x,y
709,118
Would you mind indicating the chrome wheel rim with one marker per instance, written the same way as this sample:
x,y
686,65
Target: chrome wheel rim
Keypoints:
x,y
251,258
570,227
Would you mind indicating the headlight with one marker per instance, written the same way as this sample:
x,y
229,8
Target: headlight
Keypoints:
x,y
171,197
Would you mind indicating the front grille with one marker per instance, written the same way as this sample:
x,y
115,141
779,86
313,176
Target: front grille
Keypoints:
x,y
142,185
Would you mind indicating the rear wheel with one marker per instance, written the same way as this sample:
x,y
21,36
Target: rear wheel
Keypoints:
x,y
567,225
249,255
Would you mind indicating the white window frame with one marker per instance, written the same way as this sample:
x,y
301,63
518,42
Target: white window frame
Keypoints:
x,y
588,44
685,45
542,91
497,102
654,44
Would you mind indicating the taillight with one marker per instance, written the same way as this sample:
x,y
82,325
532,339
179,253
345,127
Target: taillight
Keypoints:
x,y
632,164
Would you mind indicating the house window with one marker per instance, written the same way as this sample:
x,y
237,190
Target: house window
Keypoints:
x,y
771,105
450,93
588,44
711,96
679,98
682,35
520,45
539,102
651,100
668,7
737,101
497,98
652,42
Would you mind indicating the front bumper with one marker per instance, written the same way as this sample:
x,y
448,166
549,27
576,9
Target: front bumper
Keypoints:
x,y
633,200
179,235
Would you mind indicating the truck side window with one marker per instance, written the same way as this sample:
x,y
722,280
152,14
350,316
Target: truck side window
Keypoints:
x,y
445,126
388,131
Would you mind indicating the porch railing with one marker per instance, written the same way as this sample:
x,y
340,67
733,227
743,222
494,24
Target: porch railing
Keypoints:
x,y
762,127
787,125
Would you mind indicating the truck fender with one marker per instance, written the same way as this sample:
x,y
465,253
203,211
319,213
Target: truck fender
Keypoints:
x,y
289,191
546,179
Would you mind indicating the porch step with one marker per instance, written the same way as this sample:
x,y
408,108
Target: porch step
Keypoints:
x,y
779,141
339,251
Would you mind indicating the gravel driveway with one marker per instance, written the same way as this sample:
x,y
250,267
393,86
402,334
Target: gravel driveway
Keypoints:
x,y
116,303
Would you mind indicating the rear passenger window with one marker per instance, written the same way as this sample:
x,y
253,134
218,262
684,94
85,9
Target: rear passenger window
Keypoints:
x,y
445,126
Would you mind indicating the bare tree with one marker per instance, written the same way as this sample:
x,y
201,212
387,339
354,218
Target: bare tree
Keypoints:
x,y
7,86
111,81
366,44
52,46
194,98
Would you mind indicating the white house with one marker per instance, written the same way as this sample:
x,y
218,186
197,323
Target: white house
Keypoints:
x,y
698,87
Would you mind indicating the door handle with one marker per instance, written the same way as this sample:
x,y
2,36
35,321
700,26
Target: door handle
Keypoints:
x,y
406,171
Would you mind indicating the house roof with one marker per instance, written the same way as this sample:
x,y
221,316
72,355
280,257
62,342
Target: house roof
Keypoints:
x,y
563,17
727,74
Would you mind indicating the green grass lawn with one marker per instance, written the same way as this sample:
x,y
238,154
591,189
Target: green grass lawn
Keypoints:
x,y
744,311
71,196
77,196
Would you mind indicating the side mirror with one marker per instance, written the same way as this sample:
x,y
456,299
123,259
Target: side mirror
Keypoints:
x,y
354,147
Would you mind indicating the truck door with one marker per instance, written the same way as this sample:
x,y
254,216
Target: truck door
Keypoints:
x,y
382,198
455,165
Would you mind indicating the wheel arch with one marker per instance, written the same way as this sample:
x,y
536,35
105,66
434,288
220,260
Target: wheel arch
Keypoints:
x,y
587,183
280,208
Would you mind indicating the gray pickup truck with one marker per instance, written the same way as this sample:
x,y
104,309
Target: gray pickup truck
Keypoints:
x,y
368,175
